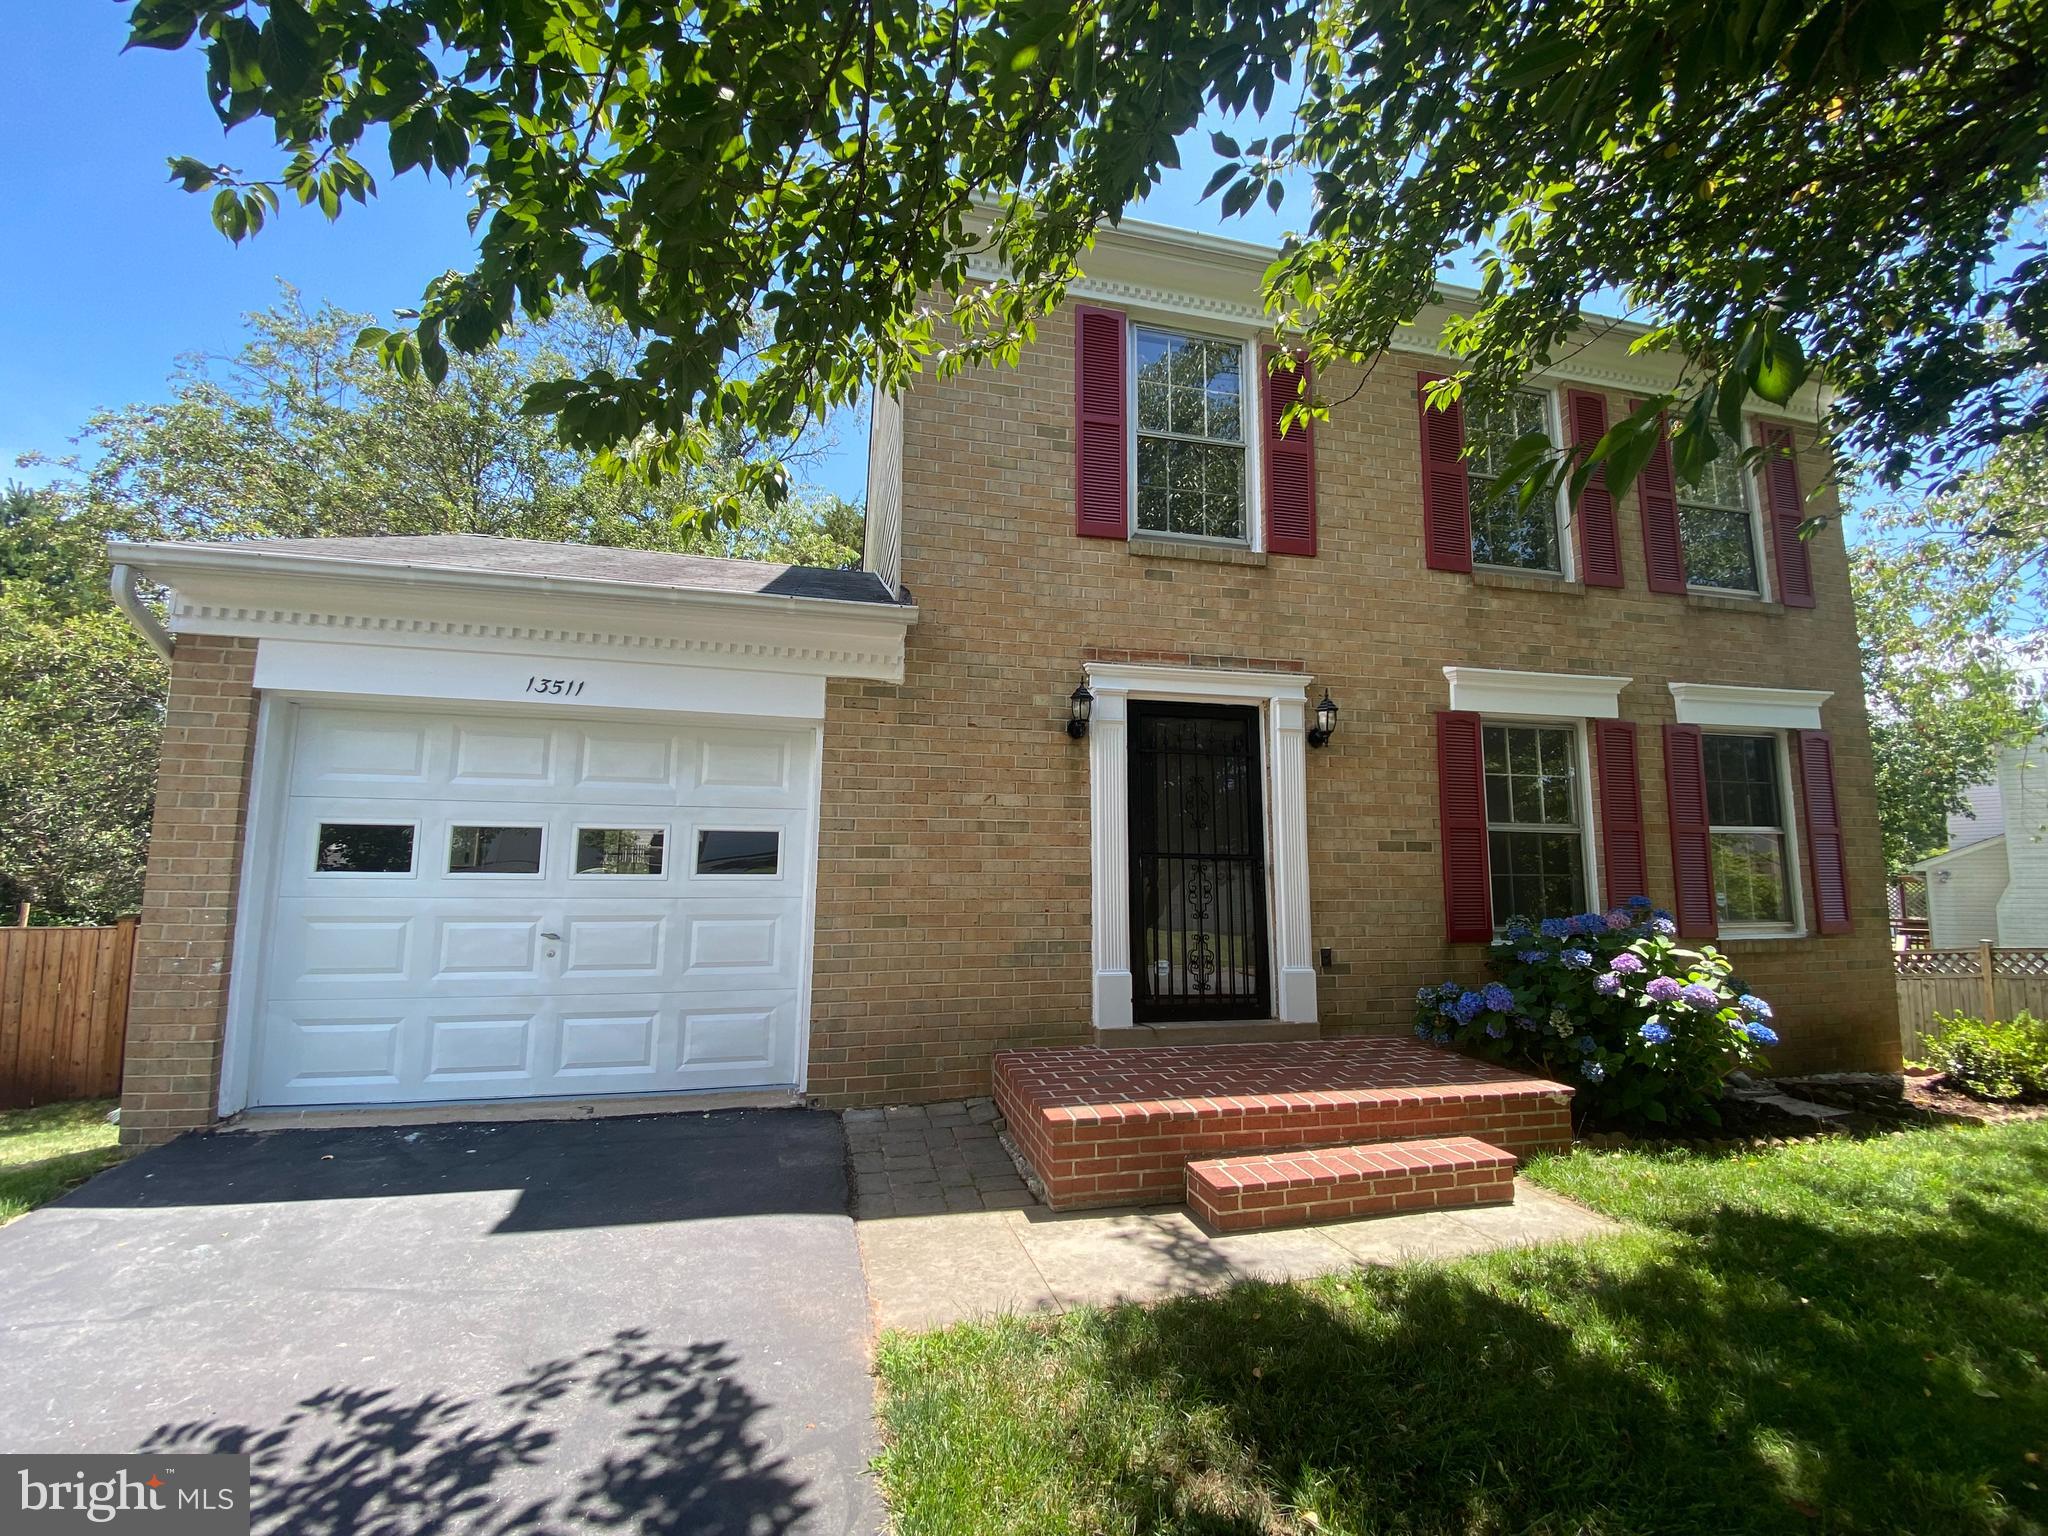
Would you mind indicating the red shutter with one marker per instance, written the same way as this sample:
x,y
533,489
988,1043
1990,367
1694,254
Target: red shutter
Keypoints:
x,y
1290,460
1598,529
1446,483
1692,849
1622,870
1785,509
1461,813
1102,502
1657,495
1823,831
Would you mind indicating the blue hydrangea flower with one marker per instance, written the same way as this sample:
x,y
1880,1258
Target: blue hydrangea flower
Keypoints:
x,y
1663,926
1517,929
1468,1007
1639,903
1449,990
1496,1028
1661,912
1498,997
1762,1034
1532,957
1577,959
1424,996
1442,1037
1556,928
1592,1071
1662,989
1654,1033
1754,1006
1627,963
1422,1031
1607,984
1703,995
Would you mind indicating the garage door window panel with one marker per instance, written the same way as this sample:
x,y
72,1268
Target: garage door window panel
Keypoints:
x,y
621,852
739,851
364,848
474,850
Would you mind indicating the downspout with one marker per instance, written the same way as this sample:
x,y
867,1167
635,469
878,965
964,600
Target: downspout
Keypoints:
x,y
122,584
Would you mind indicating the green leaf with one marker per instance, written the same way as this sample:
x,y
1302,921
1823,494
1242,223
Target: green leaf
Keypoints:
x,y
1780,366
1224,145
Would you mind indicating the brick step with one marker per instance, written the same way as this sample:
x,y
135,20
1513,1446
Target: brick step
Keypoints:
x,y
1119,1127
1284,1189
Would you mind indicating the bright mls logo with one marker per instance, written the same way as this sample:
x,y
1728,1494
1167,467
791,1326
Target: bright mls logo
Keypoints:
x,y
156,1495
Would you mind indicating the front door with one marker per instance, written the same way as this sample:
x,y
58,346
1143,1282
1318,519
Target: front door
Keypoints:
x,y
1198,864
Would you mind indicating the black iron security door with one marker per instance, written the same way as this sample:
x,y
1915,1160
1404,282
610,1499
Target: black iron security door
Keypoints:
x,y
1198,864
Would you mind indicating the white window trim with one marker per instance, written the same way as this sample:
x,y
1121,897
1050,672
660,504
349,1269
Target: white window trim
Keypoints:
x,y
1752,503
1764,709
1282,701
1250,397
1789,809
1561,515
1536,695
315,872
1589,848
577,830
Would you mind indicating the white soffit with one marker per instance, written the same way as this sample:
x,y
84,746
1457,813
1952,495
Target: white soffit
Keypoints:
x,y
1486,691
1774,709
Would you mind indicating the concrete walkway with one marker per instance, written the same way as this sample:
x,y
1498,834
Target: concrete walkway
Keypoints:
x,y
928,1271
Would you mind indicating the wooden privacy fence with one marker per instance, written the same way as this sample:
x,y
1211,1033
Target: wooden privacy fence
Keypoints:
x,y
63,1012
1986,982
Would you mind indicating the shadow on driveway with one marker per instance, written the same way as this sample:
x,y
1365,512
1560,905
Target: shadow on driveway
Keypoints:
x,y
650,1324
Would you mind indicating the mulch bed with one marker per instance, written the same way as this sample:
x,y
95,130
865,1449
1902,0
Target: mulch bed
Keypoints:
x,y
1875,1103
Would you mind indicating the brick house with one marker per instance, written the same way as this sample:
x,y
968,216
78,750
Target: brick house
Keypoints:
x,y
456,819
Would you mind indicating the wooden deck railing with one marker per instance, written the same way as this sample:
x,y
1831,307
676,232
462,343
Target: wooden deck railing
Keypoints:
x,y
1986,982
63,1012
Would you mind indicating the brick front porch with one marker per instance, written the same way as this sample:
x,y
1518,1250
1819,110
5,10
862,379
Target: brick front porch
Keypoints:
x,y
1119,1127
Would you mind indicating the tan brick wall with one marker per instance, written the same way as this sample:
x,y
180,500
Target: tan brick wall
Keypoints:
x,y
954,882
178,1005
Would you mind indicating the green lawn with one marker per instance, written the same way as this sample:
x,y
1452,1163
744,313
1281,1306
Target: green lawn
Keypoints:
x,y
50,1149
1837,1336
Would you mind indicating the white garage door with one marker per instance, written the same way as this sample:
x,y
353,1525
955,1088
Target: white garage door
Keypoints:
x,y
484,906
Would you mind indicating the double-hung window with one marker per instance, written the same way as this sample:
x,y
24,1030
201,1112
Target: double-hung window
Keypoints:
x,y
1191,470
1535,820
1746,821
1717,528
1507,530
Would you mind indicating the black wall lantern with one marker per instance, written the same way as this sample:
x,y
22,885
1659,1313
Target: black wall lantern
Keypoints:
x,y
1326,722
1079,702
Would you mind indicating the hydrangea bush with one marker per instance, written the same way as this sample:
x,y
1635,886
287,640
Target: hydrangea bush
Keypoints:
x,y
1612,1003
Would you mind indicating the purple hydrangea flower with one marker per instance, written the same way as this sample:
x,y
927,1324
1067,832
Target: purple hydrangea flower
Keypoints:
x,y
1468,1007
1627,963
1754,1006
1762,1034
1607,984
1662,989
1523,1021
1656,1032
1577,959
1498,998
1496,1028
1618,920
1703,995
1663,926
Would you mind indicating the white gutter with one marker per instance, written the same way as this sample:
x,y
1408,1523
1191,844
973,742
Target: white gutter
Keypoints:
x,y
168,558
122,584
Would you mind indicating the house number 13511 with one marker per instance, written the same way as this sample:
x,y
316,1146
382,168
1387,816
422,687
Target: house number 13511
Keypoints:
x,y
557,687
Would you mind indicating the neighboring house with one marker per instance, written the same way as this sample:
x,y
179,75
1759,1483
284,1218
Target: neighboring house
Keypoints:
x,y
457,818
1991,886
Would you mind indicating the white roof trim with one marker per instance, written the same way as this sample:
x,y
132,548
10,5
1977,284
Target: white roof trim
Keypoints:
x,y
217,591
1576,696
1775,709
1955,855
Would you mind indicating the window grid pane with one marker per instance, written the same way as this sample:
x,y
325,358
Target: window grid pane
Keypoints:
x,y
1504,532
1745,814
1535,850
1715,528
1191,458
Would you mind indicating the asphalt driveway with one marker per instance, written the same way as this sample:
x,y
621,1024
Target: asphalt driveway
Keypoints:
x,y
651,1324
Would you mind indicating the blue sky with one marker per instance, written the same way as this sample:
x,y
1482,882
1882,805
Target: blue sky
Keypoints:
x,y
113,273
